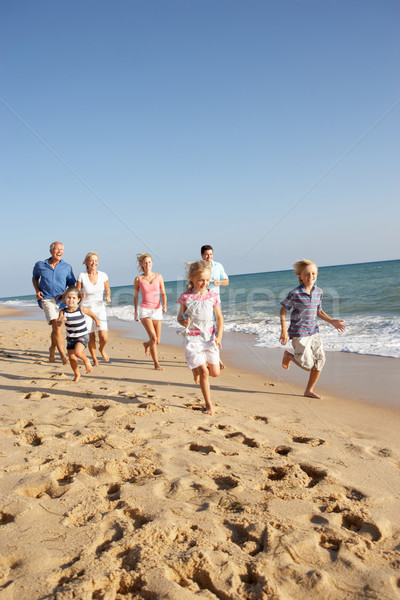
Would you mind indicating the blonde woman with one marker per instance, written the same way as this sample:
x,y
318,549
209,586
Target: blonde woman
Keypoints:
x,y
151,286
94,284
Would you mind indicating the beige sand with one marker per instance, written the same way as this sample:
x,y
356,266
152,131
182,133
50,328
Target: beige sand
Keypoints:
x,y
119,487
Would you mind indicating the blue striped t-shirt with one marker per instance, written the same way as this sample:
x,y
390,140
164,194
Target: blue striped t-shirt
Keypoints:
x,y
75,323
303,318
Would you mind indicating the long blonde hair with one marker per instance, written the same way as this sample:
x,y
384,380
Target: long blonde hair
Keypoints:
x,y
140,259
300,265
195,268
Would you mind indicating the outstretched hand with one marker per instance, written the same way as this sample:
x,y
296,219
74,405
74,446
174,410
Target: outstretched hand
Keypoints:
x,y
339,324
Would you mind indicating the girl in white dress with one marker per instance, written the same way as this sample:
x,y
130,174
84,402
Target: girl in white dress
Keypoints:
x,y
201,341
93,284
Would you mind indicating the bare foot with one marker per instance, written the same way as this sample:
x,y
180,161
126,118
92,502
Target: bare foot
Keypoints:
x,y
89,367
312,395
105,356
286,360
196,378
146,348
65,360
95,362
158,368
52,354
221,365
77,378
209,411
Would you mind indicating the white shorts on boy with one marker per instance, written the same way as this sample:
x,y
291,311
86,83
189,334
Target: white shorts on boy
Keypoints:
x,y
198,352
309,352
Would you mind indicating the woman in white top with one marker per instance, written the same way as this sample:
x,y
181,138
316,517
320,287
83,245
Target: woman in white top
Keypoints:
x,y
93,284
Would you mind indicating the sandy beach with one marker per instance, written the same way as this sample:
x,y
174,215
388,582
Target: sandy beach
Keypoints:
x,y
119,487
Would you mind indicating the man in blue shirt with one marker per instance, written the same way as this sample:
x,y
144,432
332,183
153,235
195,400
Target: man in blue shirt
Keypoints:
x,y
50,278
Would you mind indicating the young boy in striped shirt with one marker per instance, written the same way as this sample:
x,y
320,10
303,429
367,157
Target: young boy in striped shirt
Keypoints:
x,y
305,302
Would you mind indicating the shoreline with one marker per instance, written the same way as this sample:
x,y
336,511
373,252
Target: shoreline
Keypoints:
x,y
119,485
366,379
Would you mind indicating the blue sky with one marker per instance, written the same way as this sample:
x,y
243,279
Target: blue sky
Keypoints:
x,y
267,129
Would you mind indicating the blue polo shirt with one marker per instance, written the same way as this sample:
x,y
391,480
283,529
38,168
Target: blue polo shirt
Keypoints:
x,y
53,282
218,273
303,318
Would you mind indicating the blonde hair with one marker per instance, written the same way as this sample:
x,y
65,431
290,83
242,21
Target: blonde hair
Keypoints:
x,y
195,268
140,259
300,265
88,255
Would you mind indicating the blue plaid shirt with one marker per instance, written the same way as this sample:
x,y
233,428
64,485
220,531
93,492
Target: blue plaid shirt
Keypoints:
x,y
303,318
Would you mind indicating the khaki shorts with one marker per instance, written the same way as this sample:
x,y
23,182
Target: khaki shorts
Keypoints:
x,y
51,310
309,352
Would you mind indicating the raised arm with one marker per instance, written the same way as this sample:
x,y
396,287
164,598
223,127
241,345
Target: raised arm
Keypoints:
x,y
336,323
221,282
89,313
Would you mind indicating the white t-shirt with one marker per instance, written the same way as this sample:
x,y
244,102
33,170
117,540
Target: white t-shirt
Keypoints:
x,y
93,292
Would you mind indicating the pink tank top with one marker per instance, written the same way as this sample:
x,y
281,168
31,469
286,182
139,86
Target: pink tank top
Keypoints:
x,y
150,293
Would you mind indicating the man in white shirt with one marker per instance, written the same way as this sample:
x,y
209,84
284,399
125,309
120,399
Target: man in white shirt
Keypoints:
x,y
218,275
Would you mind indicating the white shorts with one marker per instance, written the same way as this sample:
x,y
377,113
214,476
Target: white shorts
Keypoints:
x,y
155,314
99,309
198,352
51,310
309,352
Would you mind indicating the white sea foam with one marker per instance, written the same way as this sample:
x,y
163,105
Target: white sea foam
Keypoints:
x,y
373,335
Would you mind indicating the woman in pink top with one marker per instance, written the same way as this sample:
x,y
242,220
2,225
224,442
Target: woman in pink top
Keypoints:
x,y
150,285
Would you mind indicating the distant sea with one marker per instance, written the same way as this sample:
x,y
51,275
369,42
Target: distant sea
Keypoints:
x,y
366,296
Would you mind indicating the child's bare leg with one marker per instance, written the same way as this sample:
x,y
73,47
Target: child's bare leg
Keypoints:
x,y
80,353
103,339
196,375
74,365
314,376
92,347
205,388
287,357
214,370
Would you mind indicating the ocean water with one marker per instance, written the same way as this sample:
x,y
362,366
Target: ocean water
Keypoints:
x,y
366,296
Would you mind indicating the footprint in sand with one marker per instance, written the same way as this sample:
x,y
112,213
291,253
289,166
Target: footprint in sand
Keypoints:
x,y
363,528
202,449
283,450
226,482
250,538
308,440
36,396
243,439
117,534
6,518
